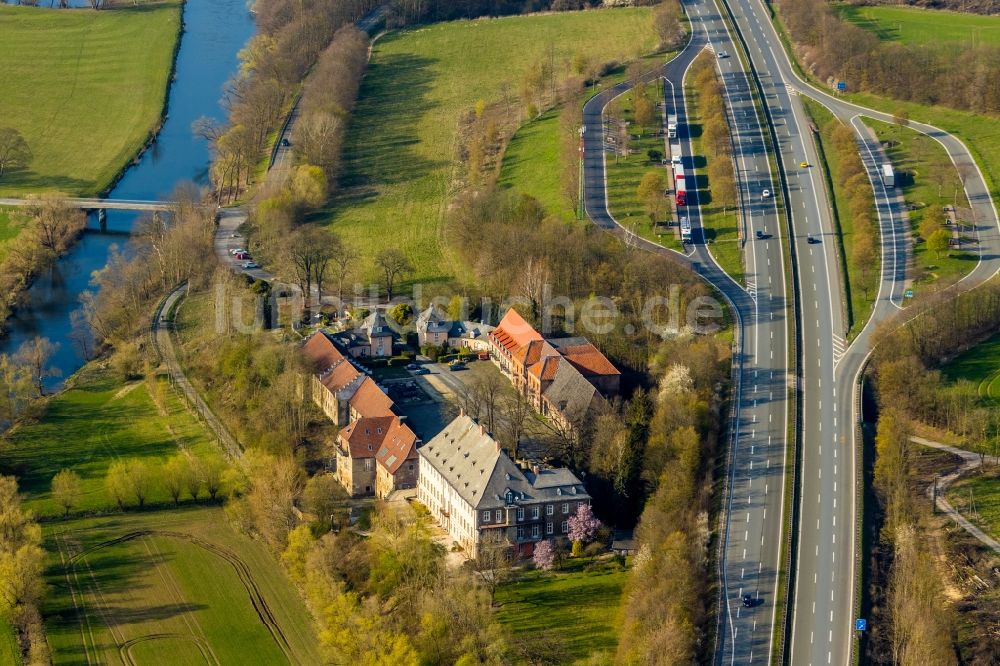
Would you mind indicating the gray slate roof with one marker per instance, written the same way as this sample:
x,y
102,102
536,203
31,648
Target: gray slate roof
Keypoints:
x,y
471,462
571,393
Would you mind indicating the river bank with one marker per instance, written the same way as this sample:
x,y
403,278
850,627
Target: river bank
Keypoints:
x,y
205,58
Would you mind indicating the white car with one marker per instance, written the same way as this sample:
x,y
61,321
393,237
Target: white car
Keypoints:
x,y
250,264
237,250
766,193
722,54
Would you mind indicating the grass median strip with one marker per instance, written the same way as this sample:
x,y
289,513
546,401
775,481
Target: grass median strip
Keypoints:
x,y
84,88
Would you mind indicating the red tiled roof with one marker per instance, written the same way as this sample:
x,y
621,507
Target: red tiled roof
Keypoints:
x,y
399,445
342,375
589,360
321,353
363,438
514,332
369,400
546,369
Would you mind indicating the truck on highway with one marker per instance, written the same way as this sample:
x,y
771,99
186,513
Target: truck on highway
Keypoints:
x,y
680,187
675,153
685,230
887,176
672,126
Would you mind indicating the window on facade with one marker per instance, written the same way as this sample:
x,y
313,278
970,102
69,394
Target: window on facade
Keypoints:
x,y
564,527
548,528
534,531
520,532
535,512
486,516
520,513
499,515
369,463
549,509
565,508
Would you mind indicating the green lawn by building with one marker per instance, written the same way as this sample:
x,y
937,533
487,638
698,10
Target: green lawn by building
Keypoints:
x,y
579,606
88,426
912,25
400,147
980,365
84,88
170,587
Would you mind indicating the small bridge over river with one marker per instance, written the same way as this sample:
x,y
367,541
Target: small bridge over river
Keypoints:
x,y
102,204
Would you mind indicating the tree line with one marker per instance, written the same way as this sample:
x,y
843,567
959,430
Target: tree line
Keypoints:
x,y
715,135
962,77
22,563
852,179
290,37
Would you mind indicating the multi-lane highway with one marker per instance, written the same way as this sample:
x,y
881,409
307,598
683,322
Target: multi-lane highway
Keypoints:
x,y
823,572
824,577
751,548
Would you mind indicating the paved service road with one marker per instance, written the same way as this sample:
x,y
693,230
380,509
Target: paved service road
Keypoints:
x,y
757,453
823,601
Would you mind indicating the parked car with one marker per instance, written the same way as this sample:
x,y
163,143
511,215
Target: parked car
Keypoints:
x,y
237,250
242,256
412,366
484,356
250,264
766,193
456,365
421,371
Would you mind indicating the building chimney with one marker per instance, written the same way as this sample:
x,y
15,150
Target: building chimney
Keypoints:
x,y
535,470
482,429
461,411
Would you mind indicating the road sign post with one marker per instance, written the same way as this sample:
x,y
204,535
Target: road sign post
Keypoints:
x,y
861,624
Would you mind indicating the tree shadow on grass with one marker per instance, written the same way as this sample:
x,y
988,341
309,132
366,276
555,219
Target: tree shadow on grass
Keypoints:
x,y
19,182
384,125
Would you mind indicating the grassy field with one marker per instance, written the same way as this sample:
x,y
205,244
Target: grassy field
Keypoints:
x,y
9,653
84,88
911,25
93,423
170,587
580,606
921,156
9,229
625,173
400,146
860,307
980,365
532,164
978,499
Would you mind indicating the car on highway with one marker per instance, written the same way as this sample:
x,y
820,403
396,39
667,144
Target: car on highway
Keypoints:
x,y
250,264
723,54
812,240
804,165
760,235
285,143
765,194
747,601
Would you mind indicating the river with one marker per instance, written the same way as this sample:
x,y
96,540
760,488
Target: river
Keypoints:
x,y
214,33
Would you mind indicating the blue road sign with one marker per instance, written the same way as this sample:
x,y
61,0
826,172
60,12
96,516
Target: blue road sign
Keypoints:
x,y
841,86
861,624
